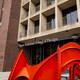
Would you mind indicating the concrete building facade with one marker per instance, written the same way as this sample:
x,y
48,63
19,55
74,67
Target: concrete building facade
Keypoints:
x,y
9,21
45,24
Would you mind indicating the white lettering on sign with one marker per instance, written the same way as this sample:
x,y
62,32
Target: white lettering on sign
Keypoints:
x,y
42,41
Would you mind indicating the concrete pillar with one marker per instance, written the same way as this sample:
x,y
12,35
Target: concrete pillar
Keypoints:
x,y
78,9
59,17
44,23
40,17
56,15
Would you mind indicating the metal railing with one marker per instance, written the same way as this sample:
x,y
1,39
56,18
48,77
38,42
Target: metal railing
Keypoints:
x,y
64,20
37,8
25,15
51,25
36,29
23,34
50,2
69,20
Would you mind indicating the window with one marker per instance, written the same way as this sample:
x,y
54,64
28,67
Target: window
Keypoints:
x,y
26,30
51,22
49,2
70,16
36,54
36,28
27,12
37,7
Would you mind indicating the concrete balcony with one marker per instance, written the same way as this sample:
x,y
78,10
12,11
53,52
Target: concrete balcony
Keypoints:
x,y
25,11
47,28
63,4
51,25
34,9
62,1
23,34
24,2
34,31
25,15
37,8
71,21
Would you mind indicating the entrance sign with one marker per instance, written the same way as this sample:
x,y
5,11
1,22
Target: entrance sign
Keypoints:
x,y
40,42
68,56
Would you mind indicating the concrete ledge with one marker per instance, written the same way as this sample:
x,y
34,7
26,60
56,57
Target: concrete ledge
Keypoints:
x,y
4,75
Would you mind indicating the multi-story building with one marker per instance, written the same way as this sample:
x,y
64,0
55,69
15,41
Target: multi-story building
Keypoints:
x,y
9,21
45,24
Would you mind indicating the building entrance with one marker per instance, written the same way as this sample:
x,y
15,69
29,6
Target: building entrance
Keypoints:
x,y
37,54
41,51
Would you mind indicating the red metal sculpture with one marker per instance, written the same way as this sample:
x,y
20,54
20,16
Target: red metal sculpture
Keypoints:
x,y
68,56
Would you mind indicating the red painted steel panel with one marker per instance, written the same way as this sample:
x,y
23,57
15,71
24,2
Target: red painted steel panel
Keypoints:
x,y
68,56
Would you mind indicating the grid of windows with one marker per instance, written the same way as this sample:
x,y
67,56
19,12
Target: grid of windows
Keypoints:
x,y
45,16
50,16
